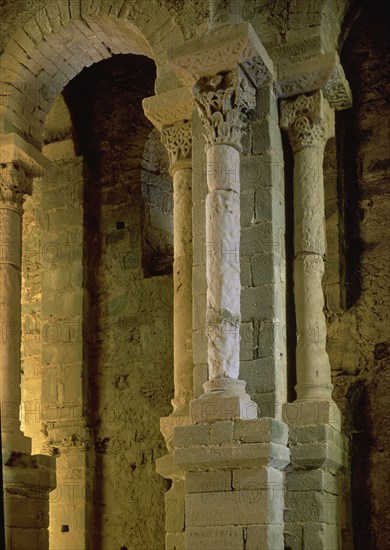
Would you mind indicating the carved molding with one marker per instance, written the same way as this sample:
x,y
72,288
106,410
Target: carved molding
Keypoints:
x,y
323,72
222,50
169,107
308,119
178,141
223,101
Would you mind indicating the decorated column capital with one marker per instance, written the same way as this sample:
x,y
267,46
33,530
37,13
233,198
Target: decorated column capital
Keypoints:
x,y
177,139
20,163
308,119
223,101
15,183
223,50
322,72
171,114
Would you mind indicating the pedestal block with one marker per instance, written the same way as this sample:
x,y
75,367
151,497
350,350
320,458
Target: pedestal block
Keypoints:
x,y
319,453
27,482
234,483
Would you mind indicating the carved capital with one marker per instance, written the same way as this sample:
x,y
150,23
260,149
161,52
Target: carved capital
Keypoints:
x,y
223,101
322,72
178,141
14,184
169,107
308,120
220,51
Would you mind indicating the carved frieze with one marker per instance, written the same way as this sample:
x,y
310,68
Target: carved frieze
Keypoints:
x,y
223,101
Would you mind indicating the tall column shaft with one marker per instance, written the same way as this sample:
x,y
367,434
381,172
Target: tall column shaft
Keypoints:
x,y
223,261
313,367
223,101
14,183
182,285
178,141
27,480
309,121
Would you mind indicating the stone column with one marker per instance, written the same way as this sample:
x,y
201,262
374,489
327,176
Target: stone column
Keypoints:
x,y
232,461
171,113
314,419
223,101
309,120
177,139
27,479
14,184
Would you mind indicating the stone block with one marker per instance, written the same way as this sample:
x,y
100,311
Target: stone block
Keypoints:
x,y
293,536
268,404
175,541
263,269
207,482
187,436
249,455
174,508
319,455
321,536
247,203
257,302
26,539
260,431
246,343
312,480
264,537
221,433
260,478
227,508
310,506
200,376
259,375
199,347
214,408
229,537
302,413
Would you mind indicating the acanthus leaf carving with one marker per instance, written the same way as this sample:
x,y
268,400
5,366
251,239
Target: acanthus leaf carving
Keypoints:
x,y
223,102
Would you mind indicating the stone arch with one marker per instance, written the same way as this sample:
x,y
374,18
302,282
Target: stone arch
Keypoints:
x,y
61,39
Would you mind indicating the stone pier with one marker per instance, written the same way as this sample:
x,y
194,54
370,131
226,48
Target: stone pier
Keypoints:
x,y
232,461
171,113
27,478
319,451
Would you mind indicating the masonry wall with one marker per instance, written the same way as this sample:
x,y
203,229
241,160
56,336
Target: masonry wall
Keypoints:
x,y
97,309
357,278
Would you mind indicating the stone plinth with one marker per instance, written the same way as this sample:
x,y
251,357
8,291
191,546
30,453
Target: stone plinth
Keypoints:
x,y
312,513
27,482
234,483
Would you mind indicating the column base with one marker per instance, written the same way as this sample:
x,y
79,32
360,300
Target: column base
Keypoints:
x,y
313,412
168,423
224,399
319,452
174,502
16,441
27,482
234,484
